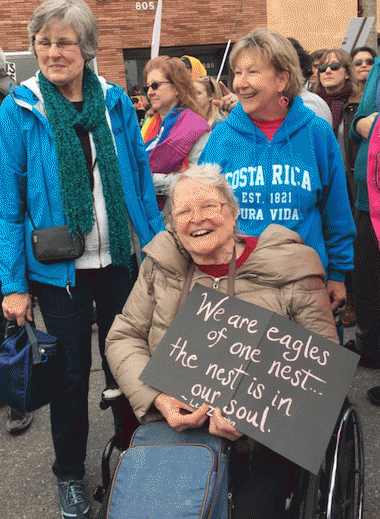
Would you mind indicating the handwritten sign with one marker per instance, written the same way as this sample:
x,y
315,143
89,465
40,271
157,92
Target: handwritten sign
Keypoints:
x,y
274,380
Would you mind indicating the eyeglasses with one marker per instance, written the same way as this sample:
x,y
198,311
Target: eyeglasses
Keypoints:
x,y
209,209
154,85
186,62
368,61
335,65
43,47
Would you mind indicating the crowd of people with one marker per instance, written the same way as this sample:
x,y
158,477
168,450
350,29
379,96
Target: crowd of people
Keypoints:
x,y
191,182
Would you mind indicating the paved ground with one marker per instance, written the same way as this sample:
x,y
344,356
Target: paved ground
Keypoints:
x,y
28,487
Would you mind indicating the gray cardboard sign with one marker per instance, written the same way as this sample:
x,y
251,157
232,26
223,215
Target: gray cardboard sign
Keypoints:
x,y
275,381
357,32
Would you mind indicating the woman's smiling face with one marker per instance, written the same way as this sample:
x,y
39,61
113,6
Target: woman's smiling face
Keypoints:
x,y
259,86
62,67
208,240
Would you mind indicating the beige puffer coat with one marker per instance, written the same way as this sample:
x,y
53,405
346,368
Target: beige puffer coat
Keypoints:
x,y
281,274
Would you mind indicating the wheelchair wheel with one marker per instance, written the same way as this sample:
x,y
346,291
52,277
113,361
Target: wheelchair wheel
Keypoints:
x,y
337,492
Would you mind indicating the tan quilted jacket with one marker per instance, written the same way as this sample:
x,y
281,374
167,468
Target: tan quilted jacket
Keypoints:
x,y
281,274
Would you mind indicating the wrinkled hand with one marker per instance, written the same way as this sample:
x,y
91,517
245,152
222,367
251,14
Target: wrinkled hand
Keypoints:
x,y
337,292
228,101
220,427
363,126
17,307
179,415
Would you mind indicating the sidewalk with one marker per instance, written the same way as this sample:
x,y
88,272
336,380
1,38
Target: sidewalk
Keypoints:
x,y
28,488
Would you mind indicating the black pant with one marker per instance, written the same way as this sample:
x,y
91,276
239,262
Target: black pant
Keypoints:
x,y
70,320
260,483
366,285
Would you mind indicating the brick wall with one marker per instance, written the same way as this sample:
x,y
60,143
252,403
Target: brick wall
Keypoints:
x,y
121,25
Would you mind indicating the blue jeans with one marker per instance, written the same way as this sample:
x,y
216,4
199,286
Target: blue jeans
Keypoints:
x,y
70,320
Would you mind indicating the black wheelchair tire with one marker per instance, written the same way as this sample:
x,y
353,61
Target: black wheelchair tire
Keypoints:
x,y
338,490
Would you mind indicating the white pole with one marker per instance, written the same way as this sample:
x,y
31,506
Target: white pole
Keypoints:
x,y
155,48
223,60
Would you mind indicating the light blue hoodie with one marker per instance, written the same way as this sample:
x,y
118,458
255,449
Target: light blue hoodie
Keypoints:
x,y
29,177
297,180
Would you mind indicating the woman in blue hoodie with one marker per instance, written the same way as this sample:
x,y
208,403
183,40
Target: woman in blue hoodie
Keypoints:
x,y
283,162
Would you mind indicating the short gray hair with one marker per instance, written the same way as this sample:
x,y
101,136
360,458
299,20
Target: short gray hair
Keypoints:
x,y
3,60
74,13
209,174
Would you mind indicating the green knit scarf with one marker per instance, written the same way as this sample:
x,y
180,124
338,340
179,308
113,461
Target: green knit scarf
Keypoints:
x,y
77,199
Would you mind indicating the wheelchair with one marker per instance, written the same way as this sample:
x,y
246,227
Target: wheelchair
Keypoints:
x,y
337,492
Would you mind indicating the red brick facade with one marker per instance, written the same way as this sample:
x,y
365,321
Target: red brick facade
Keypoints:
x,y
127,24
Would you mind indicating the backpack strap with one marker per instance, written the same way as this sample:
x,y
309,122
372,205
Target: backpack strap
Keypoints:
x,y
149,274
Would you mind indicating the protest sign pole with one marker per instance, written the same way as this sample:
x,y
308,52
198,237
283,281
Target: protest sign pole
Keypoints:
x,y
223,60
155,48
229,42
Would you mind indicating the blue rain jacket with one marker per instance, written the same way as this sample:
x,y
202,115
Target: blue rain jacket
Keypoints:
x,y
29,180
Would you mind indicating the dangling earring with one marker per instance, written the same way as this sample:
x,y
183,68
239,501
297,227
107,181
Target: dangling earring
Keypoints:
x,y
283,101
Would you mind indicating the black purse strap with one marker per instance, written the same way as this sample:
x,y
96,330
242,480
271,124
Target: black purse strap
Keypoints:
x,y
36,353
230,279
30,216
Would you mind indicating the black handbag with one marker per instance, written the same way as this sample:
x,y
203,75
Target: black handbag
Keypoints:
x,y
27,369
56,244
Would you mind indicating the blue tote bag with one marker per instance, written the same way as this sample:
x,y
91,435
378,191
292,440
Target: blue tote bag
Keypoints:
x,y
27,369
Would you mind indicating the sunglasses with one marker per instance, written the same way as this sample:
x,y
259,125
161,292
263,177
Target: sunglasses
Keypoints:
x,y
155,85
335,65
211,84
186,62
368,61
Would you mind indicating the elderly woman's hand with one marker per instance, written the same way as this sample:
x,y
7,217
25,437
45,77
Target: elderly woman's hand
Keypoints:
x,y
228,101
221,427
337,293
179,415
363,126
17,307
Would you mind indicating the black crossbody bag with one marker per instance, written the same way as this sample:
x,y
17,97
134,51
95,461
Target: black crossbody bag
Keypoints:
x,y
56,244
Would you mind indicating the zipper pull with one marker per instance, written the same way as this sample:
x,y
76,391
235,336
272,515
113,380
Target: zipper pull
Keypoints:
x,y
216,283
231,503
68,289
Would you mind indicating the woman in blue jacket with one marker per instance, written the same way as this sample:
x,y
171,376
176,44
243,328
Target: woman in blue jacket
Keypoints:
x,y
283,162
71,153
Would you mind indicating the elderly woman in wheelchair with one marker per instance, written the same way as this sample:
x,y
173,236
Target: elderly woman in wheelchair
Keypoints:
x,y
201,238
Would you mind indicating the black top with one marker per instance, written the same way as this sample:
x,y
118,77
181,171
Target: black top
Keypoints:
x,y
84,137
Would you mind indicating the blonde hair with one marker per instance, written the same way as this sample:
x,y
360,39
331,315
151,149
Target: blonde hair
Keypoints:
x,y
343,57
276,50
213,91
175,71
